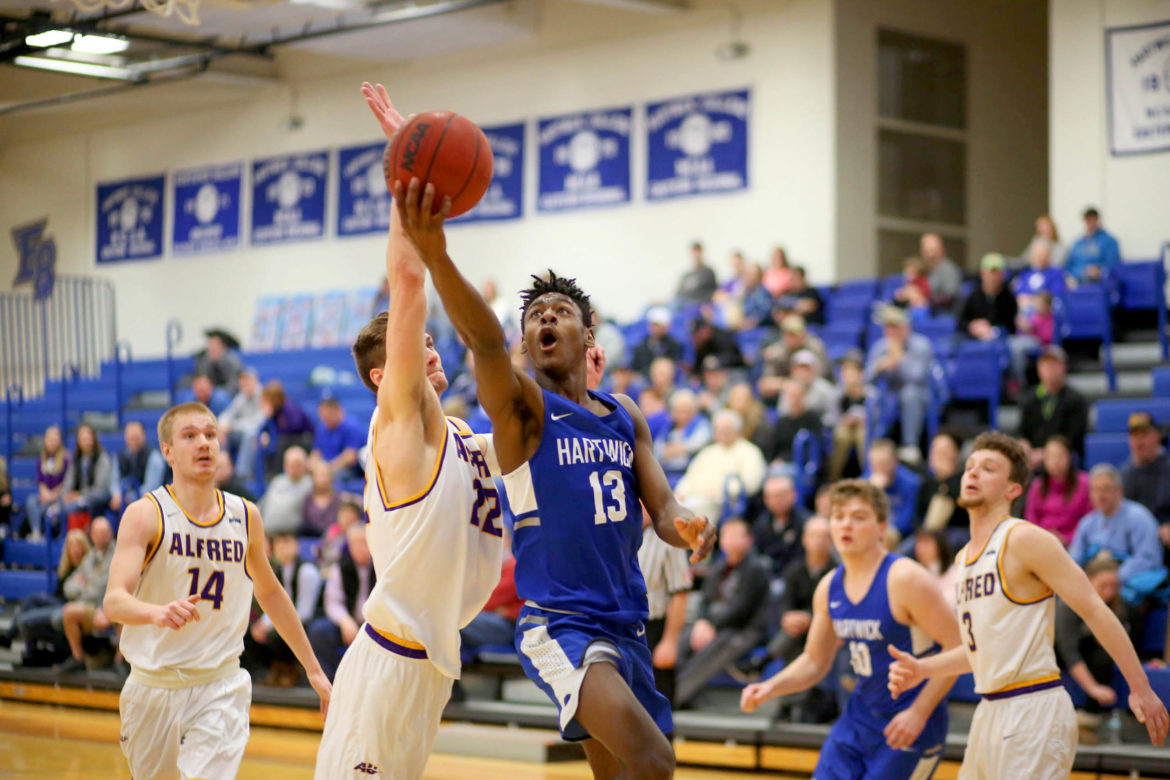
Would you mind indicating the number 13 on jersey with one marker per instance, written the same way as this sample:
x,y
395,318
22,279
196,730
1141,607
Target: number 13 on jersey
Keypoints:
x,y
613,509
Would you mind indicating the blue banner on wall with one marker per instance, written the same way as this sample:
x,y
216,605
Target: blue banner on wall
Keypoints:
x,y
697,145
363,200
207,209
130,219
585,160
288,197
504,198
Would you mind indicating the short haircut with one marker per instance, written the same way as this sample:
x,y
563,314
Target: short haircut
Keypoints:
x,y
1101,563
733,519
166,423
884,444
1106,470
871,494
273,392
561,286
1008,447
953,435
281,534
354,506
369,349
731,416
331,402
1090,212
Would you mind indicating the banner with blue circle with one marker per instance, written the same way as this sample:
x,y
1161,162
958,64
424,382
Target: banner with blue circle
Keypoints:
x,y
288,197
585,160
130,219
697,145
363,200
504,199
206,202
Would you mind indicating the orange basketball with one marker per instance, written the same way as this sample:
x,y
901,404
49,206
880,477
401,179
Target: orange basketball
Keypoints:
x,y
444,149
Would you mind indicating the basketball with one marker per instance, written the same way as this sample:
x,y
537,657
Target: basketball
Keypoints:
x,y
444,149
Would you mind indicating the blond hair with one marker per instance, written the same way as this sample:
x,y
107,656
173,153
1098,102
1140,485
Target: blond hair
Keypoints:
x,y
166,423
65,566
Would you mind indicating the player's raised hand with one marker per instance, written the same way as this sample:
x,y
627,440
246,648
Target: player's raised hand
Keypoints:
x,y
754,695
905,672
594,366
379,102
698,533
420,224
178,613
904,728
1150,711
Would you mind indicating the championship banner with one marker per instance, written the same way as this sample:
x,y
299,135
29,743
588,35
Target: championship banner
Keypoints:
x,y
363,200
585,160
504,199
697,145
288,198
206,203
1137,64
130,219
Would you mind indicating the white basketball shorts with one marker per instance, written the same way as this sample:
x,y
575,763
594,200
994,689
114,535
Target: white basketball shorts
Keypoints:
x,y
1028,737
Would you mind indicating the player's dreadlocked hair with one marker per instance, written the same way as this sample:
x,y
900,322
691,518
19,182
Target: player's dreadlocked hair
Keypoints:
x,y
557,284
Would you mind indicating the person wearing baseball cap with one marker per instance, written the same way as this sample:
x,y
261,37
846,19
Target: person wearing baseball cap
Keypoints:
x,y
1145,476
794,336
658,342
1052,407
1094,253
901,359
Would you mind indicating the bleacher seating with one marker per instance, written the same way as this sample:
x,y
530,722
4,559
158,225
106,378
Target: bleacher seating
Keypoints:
x,y
1143,288
1106,448
1161,382
1113,415
1084,314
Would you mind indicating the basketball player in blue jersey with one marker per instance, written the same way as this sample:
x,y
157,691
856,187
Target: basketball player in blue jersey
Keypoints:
x,y
872,600
575,463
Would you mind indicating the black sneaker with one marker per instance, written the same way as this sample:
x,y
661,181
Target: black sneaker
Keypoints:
x,y
69,666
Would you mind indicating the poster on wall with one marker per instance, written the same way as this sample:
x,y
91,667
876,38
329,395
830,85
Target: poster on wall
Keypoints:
x,y
288,197
130,219
504,199
585,160
697,145
363,200
206,203
1137,63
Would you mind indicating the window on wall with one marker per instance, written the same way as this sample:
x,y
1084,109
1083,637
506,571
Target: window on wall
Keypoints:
x,y
922,146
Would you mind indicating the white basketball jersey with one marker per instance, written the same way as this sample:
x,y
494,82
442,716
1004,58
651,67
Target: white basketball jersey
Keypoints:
x,y
190,557
437,554
1008,641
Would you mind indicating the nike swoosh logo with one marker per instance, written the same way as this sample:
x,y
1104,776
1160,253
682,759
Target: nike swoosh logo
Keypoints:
x,y
641,631
560,416
834,604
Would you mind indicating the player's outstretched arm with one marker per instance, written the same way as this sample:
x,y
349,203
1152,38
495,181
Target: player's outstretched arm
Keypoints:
x,y
1042,554
139,536
273,599
675,524
810,666
918,594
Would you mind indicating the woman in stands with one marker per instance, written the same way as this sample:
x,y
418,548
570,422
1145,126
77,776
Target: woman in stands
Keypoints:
x,y
5,497
51,468
87,479
38,618
1059,497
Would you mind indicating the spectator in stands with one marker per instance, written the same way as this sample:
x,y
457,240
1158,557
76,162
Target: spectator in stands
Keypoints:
x,y
338,439
794,336
990,312
777,440
778,278
800,577
243,415
698,284
38,618
915,293
932,551
936,508
82,614
87,478
778,528
1052,407
755,302
610,339
496,623
658,342
1059,496
802,299
944,276
821,395
1078,651
710,340
741,399
382,297
1047,234
51,467
137,469
716,379
899,483
285,425
688,433
349,514
226,479
202,390
1038,321
347,587
1146,475
1123,529
321,505
1094,254
732,613
284,500
849,432
901,362
663,373
5,499
219,361
667,571
301,579
729,457
733,287
1041,275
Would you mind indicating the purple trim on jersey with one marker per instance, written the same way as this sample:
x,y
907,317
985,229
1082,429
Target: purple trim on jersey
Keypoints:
x,y
1021,691
394,647
392,506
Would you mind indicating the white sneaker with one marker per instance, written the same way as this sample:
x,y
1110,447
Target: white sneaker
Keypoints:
x,y
911,455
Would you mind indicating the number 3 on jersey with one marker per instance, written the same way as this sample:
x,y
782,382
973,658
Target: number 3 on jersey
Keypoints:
x,y
212,589
610,481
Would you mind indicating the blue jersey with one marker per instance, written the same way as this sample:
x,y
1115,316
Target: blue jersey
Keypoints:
x,y
578,520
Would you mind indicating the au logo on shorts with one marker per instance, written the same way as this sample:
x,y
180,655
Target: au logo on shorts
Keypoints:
x,y
366,767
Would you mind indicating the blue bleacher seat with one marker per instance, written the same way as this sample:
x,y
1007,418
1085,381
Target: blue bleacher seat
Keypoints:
x,y
1106,448
308,545
1160,682
1113,415
1143,288
32,555
750,341
890,285
1084,314
975,374
1162,381
16,585
1153,638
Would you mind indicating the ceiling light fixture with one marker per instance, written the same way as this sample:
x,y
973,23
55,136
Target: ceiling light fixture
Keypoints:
x,y
100,44
48,38
76,68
